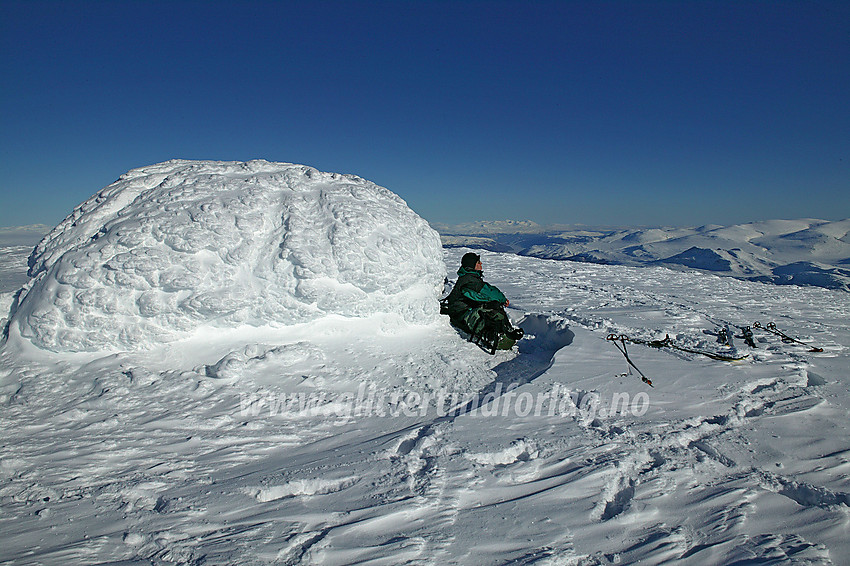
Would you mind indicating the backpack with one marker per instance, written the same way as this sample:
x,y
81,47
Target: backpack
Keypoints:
x,y
490,328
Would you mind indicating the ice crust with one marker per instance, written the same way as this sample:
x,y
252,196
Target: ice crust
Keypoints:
x,y
170,247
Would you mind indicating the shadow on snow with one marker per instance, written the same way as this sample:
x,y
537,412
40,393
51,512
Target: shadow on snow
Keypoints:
x,y
544,335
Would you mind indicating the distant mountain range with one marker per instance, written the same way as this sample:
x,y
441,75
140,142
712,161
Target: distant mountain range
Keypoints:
x,y
785,252
22,235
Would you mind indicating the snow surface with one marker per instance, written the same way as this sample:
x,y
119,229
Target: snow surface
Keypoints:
x,y
331,441
797,252
172,247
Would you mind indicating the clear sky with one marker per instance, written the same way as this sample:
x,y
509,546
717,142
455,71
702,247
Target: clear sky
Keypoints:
x,y
673,112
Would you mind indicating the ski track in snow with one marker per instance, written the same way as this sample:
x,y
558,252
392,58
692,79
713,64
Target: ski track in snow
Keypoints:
x,y
150,459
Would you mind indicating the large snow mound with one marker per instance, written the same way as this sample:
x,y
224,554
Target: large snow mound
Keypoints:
x,y
170,247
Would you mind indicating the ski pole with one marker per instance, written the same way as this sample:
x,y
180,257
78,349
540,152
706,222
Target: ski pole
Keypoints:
x,y
771,327
622,339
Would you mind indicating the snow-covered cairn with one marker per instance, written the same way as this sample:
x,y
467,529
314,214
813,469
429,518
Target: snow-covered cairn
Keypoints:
x,y
173,246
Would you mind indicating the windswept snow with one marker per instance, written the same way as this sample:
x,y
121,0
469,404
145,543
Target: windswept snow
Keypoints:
x,y
243,363
367,440
172,247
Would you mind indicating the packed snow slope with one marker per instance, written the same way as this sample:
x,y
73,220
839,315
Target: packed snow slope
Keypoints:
x,y
173,247
347,440
807,252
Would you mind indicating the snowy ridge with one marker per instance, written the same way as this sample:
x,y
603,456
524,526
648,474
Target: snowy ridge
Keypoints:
x,y
799,252
174,246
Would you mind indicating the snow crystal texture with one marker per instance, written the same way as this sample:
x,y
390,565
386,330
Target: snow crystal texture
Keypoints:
x,y
173,246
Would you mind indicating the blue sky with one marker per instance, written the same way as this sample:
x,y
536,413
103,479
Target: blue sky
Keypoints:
x,y
609,113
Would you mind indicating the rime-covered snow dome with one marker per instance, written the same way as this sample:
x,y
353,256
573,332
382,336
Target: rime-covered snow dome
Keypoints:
x,y
173,246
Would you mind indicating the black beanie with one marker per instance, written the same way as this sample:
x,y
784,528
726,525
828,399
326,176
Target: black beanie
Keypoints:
x,y
469,260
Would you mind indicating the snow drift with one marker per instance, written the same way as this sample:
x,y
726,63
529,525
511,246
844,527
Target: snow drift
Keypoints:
x,y
173,246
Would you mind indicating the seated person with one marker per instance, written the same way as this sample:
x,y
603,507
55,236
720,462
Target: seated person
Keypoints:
x,y
475,306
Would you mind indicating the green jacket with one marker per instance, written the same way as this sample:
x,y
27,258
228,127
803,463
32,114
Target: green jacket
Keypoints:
x,y
471,291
